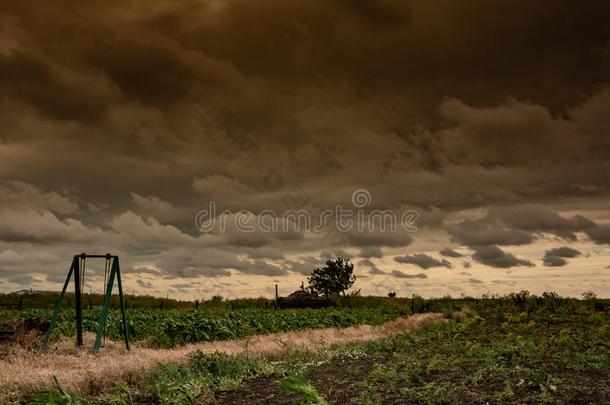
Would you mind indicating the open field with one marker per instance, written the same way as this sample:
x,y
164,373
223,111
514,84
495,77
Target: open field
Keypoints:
x,y
526,359
178,327
23,371
304,202
512,349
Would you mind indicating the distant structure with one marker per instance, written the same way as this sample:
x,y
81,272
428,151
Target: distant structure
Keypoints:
x,y
31,292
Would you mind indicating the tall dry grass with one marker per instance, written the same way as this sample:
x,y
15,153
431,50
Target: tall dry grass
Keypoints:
x,y
24,371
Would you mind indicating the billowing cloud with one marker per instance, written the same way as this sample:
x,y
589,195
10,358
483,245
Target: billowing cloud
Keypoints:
x,y
480,232
556,257
538,218
378,238
563,252
493,256
220,187
422,260
20,195
148,231
305,265
154,206
142,270
144,284
518,225
181,262
600,235
328,255
264,253
43,227
516,132
371,252
99,150
400,274
373,269
450,253
554,261
22,279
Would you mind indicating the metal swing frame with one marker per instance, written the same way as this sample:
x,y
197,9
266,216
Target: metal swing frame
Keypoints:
x,y
77,269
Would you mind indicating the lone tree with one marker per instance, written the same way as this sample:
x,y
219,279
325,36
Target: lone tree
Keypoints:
x,y
336,277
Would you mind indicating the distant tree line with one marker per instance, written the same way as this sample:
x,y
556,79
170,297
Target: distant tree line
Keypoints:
x,y
46,299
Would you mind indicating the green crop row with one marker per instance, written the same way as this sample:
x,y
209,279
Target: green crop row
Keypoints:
x,y
171,328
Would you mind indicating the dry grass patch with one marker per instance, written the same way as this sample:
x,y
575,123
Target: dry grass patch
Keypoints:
x,y
24,371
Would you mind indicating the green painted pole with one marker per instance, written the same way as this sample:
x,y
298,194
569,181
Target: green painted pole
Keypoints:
x,y
60,299
122,299
104,313
78,302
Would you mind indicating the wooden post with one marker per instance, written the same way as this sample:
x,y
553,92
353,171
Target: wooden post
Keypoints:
x,y
78,303
276,295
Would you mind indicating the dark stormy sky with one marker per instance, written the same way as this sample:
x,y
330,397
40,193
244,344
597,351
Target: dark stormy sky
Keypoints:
x,y
120,121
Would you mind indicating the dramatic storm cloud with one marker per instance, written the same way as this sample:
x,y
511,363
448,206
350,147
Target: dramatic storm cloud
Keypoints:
x,y
373,269
493,256
520,224
556,257
206,142
422,260
450,253
400,274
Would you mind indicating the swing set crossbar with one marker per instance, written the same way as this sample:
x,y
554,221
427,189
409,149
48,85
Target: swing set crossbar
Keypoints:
x,y
106,256
112,264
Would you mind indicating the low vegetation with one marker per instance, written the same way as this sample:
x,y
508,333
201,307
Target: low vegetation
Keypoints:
x,y
514,349
490,356
172,328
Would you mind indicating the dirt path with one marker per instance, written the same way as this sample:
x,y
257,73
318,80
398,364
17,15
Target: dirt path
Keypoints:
x,y
22,372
